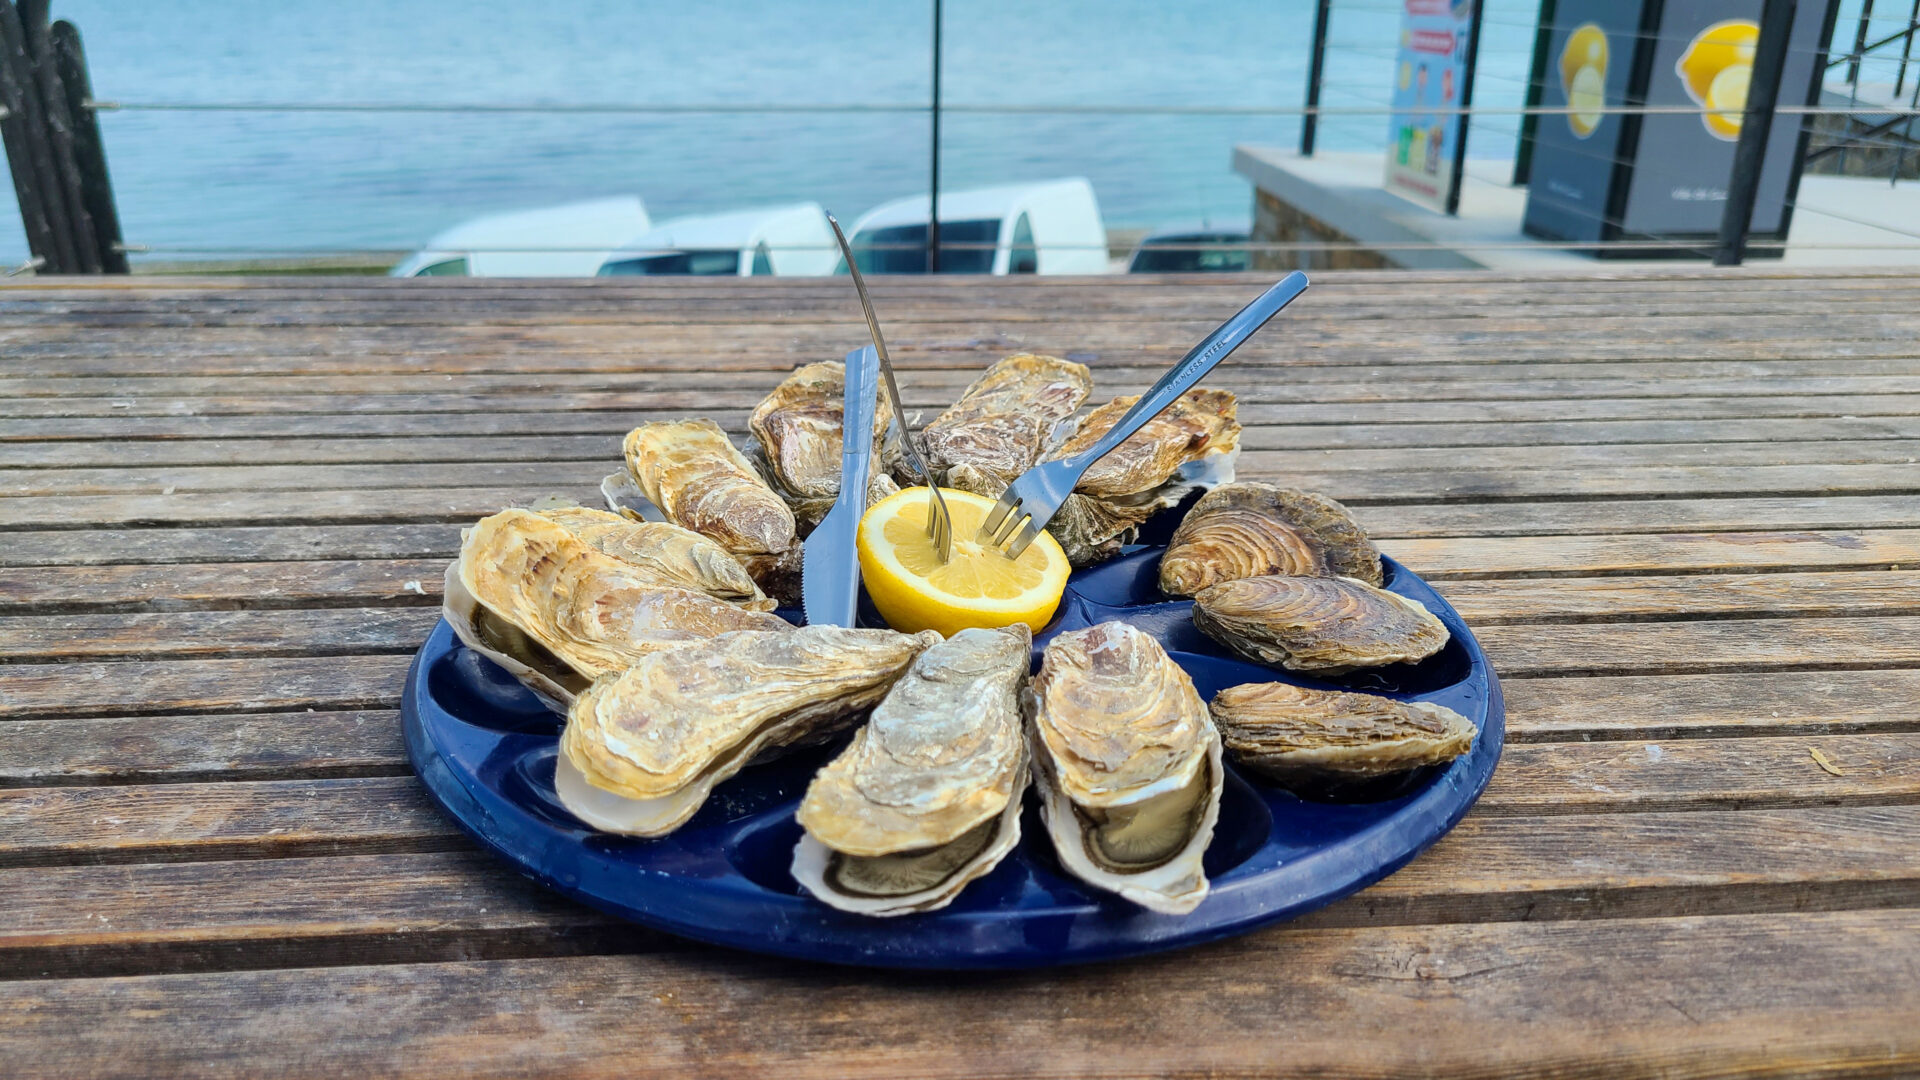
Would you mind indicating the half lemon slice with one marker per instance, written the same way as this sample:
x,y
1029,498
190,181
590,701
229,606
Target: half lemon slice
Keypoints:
x,y
977,587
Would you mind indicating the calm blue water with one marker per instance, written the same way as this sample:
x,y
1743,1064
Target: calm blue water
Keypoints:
x,y
310,181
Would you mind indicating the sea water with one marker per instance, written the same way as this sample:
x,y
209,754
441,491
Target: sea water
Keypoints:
x,y
264,183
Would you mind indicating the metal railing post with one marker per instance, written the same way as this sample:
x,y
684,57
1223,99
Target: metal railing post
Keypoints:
x,y
1536,89
933,168
1769,58
90,154
1859,42
1316,68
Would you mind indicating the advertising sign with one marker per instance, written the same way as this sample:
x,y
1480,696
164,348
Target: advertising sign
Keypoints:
x,y
1605,175
1433,81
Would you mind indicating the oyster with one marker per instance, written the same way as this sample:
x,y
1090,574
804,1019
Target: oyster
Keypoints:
x,y
1002,423
693,473
797,430
927,798
1252,529
556,612
1320,625
1194,442
1128,766
1297,735
645,746
678,556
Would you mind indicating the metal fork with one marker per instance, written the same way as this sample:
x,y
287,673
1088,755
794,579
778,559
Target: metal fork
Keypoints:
x,y
939,522
1032,499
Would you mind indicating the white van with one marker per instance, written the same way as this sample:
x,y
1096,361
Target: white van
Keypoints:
x,y
570,240
1051,227
791,241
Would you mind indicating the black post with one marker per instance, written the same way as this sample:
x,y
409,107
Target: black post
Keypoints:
x,y
933,169
1859,42
1769,57
1316,67
1906,51
1536,89
60,136
18,133
96,188
37,157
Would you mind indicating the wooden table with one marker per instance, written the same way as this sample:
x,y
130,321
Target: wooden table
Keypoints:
x,y
1681,509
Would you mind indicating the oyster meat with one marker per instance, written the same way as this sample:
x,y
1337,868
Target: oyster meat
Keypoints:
x,y
1128,766
1194,442
556,612
927,798
1252,529
1297,735
1320,625
678,556
797,433
1002,423
693,473
645,746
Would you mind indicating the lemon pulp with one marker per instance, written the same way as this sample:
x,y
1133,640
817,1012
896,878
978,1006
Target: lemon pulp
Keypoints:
x,y
978,586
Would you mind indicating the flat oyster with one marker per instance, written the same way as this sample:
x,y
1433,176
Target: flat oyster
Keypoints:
x,y
1128,766
1300,736
644,747
556,612
1320,625
1194,442
679,556
797,431
693,473
1002,423
927,798
1251,529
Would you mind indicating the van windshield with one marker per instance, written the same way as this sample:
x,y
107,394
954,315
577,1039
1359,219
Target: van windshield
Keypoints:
x,y
724,261
902,249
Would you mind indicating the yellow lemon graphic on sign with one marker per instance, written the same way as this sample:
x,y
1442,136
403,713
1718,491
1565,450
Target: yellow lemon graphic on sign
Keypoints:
x,y
1583,78
1715,69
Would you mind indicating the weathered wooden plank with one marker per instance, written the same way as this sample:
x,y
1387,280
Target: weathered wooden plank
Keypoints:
x,y
1677,997
1680,706
42,825
1698,646
159,587
408,428
1455,557
229,544
1278,400
168,917
342,507
30,639
1793,516
253,684
1702,774
244,746
1398,485
1273,442
269,819
1611,600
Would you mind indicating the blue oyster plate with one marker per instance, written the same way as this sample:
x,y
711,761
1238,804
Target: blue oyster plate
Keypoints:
x,y
485,747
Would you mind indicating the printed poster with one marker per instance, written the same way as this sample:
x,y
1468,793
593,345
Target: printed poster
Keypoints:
x,y
1433,76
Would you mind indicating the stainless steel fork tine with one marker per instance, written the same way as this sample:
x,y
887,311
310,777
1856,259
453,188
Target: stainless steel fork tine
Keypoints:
x,y
1001,508
1027,536
1009,525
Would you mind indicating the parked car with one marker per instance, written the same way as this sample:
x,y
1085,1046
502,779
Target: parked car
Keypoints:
x,y
570,240
792,240
1051,227
1198,248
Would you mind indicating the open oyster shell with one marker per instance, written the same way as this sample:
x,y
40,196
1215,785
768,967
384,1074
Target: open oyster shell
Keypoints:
x,y
1320,625
1002,423
680,556
1128,766
556,612
927,798
645,746
1296,735
797,432
1193,443
1251,529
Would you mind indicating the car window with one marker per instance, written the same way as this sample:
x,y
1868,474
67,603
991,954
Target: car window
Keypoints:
x,y
444,268
1025,258
706,263
902,249
762,261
